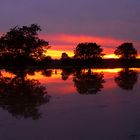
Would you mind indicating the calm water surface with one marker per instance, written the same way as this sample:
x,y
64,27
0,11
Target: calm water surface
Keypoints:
x,y
97,104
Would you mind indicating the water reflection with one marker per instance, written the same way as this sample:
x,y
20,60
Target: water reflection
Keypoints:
x,y
126,79
66,73
47,73
88,82
21,96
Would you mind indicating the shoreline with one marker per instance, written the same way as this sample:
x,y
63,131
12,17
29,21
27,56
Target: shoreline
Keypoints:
x,y
74,64
105,63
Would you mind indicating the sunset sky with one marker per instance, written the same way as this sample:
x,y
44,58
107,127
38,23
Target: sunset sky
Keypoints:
x,y
65,23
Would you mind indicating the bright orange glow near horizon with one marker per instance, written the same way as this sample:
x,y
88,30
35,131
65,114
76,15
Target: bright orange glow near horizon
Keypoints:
x,y
55,80
67,43
56,54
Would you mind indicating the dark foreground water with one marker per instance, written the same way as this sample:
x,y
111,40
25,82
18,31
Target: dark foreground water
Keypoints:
x,y
97,104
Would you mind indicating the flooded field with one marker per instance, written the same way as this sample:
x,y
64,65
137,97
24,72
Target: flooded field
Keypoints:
x,y
89,104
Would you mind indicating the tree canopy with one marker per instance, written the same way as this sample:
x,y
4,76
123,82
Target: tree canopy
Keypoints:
x,y
126,51
64,56
22,44
88,51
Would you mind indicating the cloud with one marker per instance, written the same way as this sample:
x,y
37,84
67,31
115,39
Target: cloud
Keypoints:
x,y
116,18
68,42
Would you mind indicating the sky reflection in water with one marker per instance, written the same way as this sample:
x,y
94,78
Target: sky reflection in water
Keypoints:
x,y
85,104
66,78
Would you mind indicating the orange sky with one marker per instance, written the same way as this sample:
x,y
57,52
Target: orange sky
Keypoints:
x,y
67,43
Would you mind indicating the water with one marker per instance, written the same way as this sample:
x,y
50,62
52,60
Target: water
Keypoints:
x,y
97,104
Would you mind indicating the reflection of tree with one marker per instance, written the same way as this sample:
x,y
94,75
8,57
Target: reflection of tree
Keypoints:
x,y
88,83
21,96
47,73
66,73
126,79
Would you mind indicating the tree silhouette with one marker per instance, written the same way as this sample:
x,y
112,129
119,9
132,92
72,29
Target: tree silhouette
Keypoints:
x,y
88,51
21,96
45,61
64,56
126,79
126,51
88,83
22,44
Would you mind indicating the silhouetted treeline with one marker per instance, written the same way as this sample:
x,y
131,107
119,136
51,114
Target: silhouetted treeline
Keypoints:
x,y
104,63
22,46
